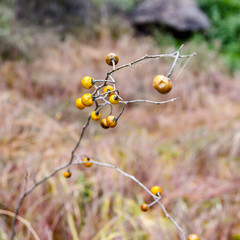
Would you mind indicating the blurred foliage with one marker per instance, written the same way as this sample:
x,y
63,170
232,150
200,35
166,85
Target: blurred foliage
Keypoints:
x,y
124,5
71,13
224,16
87,18
12,43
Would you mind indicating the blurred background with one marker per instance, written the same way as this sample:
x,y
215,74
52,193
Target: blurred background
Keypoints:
x,y
191,147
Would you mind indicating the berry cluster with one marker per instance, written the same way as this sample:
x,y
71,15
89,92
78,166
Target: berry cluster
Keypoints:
x,y
110,95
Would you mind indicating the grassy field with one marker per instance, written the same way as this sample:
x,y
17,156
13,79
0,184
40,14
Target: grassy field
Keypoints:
x,y
190,147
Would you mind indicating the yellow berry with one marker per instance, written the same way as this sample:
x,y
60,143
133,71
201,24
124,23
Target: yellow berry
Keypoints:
x,y
193,237
79,104
87,162
95,116
144,207
110,57
155,190
87,100
111,121
67,174
114,99
87,82
108,89
104,123
162,84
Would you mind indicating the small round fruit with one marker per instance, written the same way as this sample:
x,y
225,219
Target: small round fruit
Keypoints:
x,y
104,123
79,104
114,99
87,162
155,190
162,84
193,237
67,174
95,116
87,82
108,89
87,100
111,121
144,207
110,57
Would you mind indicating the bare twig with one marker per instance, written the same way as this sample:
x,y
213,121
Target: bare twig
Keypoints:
x,y
37,183
156,198
151,57
149,101
172,220
173,66
78,162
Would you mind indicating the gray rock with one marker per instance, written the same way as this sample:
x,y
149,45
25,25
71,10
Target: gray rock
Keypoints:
x,y
181,15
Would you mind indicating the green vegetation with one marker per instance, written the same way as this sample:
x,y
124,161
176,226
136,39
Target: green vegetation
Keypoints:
x,y
225,19
222,36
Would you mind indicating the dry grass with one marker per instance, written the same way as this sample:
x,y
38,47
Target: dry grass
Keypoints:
x,y
190,147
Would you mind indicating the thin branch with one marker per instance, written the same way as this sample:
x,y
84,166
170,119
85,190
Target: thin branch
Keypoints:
x,y
124,104
99,109
150,57
79,162
156,198
173,66
155,201
149,101
172,220
94,81
179,50
27,192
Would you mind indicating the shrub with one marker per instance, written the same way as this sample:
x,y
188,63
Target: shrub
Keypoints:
x,y
225,20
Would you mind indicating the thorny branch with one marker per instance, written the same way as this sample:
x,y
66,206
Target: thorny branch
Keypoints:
x,y
156,199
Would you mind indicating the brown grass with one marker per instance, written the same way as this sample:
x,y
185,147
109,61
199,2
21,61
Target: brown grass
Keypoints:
x,y
190,147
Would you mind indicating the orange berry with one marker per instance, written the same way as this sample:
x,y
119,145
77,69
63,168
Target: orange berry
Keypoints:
x,y
87,162
111,121
87,82
67,174
87,100
110,57
104,123
193,237
155,190
162,84
108,89
144,207
114,99
79,104
95,116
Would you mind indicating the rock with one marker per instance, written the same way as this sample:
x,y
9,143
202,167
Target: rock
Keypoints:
x,y
180,15
57,12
